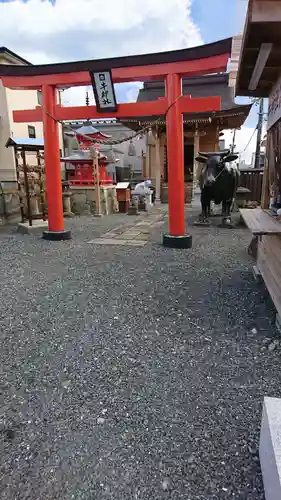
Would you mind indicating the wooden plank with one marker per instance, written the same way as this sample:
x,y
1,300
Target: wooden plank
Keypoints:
x,y
269,264
260,222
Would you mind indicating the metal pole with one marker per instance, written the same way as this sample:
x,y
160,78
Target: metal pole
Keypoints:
x,y
259,134
232,148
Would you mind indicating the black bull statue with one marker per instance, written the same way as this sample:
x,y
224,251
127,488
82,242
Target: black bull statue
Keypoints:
x,y
218,182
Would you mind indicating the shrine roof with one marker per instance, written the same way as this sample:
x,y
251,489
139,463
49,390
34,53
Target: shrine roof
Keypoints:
x,y
196,86
89,130
233,117
82,155
26,142
189,54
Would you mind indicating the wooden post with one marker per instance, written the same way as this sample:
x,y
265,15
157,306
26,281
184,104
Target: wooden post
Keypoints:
x,y
195,163
147,158
157,167
96,170
27,193
98,202
265,180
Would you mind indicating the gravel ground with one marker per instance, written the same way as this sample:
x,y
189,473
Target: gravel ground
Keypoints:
x,y
132,373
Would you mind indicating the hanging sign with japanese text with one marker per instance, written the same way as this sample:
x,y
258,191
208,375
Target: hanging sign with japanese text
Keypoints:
x,y
274,104
103,91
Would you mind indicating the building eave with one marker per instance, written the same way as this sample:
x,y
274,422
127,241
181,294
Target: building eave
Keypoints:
x,y
262,26
239,112
4,51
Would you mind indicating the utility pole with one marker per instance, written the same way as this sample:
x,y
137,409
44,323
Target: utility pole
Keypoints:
x,y
259,134
233,145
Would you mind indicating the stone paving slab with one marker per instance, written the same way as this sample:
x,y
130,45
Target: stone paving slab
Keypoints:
x,y
139,230
142,236
127,236
111,234
116,241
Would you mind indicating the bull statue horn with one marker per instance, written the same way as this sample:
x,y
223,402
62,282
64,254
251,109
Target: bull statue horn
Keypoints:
x,y
201,159
230,158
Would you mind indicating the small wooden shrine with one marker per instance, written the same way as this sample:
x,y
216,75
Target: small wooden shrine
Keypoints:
x,y
79,166
79,169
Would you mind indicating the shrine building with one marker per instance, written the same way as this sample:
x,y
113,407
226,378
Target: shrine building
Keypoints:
x,y
202,131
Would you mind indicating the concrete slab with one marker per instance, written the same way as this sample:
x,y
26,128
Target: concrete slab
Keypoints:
x,y
136,243
142,236
110,235
270,448
38,226
107,241
117,242
158,223
127,236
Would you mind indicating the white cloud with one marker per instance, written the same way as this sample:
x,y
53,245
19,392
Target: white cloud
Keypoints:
x,y
73,30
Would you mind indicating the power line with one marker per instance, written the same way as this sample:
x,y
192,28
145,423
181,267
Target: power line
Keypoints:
x,y
249,140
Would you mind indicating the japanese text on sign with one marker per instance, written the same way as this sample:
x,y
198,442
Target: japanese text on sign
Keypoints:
x,y
104,90
274,104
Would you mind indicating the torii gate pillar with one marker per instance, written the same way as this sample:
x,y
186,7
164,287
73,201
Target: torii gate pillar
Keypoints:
x,y
56,229
177,237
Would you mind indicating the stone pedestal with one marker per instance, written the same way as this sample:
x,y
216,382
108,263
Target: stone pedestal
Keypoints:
x,y
66,198
83,200
270,448
34,206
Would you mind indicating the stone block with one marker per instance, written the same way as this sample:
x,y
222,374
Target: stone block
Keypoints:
x,y
108,241
133,210
91,194
38,226
9,203
126,236
278,323
79,203
270,448
142,236
257,274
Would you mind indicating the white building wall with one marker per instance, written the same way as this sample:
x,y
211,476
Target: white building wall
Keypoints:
x,y
7,165
11,100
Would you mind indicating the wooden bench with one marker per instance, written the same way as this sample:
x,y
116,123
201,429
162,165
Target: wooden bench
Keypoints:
x,y
265,247
260,221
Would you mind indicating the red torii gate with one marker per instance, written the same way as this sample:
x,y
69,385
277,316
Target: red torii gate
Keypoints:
x,y
171,66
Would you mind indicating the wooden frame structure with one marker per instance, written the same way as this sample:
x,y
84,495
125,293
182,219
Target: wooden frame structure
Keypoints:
x,y
21,148
259,75
170,66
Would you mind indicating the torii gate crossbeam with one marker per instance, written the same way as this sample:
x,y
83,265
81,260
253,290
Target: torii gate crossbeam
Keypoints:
x,y
171,66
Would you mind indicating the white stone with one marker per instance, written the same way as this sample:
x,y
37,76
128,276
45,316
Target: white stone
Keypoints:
x,y
270,448
37,226
100,421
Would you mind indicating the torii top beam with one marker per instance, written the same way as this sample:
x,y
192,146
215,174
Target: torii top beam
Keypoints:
x,y
210,58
